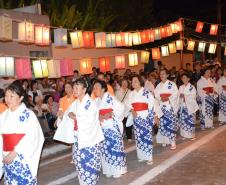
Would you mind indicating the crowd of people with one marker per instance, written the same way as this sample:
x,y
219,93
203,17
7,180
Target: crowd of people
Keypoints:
x,y
96,112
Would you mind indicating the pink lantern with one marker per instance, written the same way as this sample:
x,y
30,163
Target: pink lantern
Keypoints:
x,y
120,62
23,68
42,36
104,64
66,67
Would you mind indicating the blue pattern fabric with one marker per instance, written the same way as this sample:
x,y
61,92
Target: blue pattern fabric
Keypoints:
x,y
168,123
222,103
112,148
187,122
143,135
209,105
18,172
87,163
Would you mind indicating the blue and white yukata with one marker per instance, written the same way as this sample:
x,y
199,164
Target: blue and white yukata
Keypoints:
x,y
113,154
142,102
169,121
187,109
20,131
206,101
87,136
222,99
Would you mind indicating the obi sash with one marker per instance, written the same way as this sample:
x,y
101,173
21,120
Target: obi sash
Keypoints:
x,y
75,125
165,95
103,112
10,141
140,106
208,89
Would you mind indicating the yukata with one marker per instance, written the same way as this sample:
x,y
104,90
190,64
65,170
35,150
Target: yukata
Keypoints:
x,y
142,102
206,100
187,109
20,131
113,154
86,134
221,85
169,121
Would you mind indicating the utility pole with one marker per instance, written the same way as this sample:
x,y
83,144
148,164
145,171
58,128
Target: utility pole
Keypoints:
x,y
219,10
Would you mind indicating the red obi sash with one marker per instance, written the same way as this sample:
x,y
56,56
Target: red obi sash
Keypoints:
x,y
103,112
140,106
208,89
165,95
10,141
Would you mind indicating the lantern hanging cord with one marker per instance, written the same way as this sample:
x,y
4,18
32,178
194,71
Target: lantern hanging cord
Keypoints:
x,y
193,20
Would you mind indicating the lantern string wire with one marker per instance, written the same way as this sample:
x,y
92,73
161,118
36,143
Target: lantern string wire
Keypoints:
x,y
193,20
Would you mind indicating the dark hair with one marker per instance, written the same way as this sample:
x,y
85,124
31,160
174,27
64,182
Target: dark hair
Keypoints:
x,y
166,70
139,78
17,88
205,69
185,74
82,81
124,79
75,71
32,83
2,93
47,98
103,84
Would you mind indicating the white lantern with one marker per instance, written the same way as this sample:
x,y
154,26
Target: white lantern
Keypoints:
x,y
133,59
7,66
53,68
40,68
77,39
165,51
42,35
26,32
212,48
110,40
157,34
60,37
201,47
5,28
100,40
179,44
128,39
136,38
145,57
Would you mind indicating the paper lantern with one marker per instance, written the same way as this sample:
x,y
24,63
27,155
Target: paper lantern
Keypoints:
x,y
191,45
172,47
212,48
178,26
144,57
163,32
88,39
104,64
100,40
128,39
120,39
150,35
5,28
144,36
199,27
66,67
155,53
157,34
42,35
110,40
133,59
6,66
179,44
213,29
60,37
40,68
86,66
225,50
201,47
54,68
136,38
23,68
165,51
120,62
76,39
169,31
26,32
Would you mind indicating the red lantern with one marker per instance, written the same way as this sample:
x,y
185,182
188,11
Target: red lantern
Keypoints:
x,y
213,29
163,32
104,64
155,53
151,35
199,27
144,38
120,62
23,68
88,39
66,67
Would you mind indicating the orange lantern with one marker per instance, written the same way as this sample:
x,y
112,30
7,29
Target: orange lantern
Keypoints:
x,y
136,38
163,32
179,44
144,36
212,48
88,39
172,47
178,26
133,59
120,39
26,32
155,53
213,29
6,25
144,57
86,66
76,39
23,68
225,50
165,51
104,64
199,27
191,45
100,40
120,62
150,35
110,40
157,34
201,47
169,31
42,35
128,39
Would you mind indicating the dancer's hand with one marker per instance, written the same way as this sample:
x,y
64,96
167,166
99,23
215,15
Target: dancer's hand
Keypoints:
x,y
134,113
72,115
156,120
